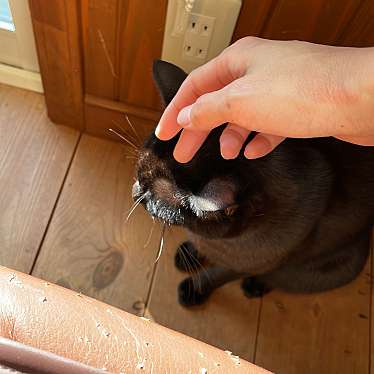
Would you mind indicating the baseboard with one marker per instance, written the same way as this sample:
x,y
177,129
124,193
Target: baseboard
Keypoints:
x,y
102,115
13,76
118,106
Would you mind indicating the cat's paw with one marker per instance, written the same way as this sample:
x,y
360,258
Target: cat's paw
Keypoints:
x,y
252,287
188,295
187,258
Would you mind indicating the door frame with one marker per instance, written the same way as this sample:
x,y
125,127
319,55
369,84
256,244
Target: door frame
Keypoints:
x,y
57,32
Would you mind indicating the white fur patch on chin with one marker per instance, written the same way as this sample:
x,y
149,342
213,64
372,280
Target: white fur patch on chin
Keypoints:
x,y
204,204
216,195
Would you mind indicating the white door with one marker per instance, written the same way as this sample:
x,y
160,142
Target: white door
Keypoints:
x,y
18,59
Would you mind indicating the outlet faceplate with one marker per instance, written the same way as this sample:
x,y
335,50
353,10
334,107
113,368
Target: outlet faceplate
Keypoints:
x,y
197,37
199,32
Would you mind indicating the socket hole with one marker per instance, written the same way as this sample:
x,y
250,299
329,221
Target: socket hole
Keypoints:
x,y
188,48
193,24
200,51
205,28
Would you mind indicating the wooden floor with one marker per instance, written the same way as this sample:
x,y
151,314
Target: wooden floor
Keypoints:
x,y
64,198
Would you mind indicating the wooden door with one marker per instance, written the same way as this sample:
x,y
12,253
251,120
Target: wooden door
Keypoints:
x,y
96,55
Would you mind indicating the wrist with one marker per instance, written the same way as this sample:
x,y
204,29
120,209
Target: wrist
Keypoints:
x,y
363,70
354,114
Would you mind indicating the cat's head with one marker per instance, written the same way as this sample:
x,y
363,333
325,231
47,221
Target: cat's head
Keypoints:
x,y
209,195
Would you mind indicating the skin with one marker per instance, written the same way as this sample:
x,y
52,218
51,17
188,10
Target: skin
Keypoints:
x,y
277,88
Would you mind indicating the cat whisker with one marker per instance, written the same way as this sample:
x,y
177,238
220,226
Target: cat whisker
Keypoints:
x,y
136,204
123,138
190,268
161,246
196,276
131,137
150,235
185,260
133,128
201,266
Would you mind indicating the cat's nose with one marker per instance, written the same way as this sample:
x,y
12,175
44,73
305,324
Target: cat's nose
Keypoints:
x,y
165,190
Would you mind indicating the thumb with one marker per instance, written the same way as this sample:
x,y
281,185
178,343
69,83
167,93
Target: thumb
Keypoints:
x,y
213,109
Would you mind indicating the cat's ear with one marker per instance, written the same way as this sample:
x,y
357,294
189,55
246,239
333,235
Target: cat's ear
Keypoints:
x,y
168,78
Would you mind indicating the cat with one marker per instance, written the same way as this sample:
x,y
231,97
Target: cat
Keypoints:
x,y
298,219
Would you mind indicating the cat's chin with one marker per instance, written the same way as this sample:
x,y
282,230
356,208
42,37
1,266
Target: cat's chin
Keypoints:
x,y
164,213
207,225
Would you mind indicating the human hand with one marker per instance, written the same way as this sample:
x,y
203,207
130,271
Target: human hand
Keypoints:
x,y
279,89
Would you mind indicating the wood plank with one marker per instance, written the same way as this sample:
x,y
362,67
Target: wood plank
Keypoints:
x,y
316,21
101,115
34,157
252,17
228,320
90,247
100,27
325,333
360,32
140,43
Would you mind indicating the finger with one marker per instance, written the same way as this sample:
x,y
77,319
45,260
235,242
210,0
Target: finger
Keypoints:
x,y
231,141
188,144
361,140
215,108
261,145
212,76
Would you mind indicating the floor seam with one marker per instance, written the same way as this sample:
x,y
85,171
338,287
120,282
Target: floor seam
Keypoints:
x,y
258,329
56,203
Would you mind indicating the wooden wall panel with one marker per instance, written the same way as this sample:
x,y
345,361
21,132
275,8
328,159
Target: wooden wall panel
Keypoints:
x,y
360,32
57,31
140,43
317,21
119,39
252,17
101,115
100,26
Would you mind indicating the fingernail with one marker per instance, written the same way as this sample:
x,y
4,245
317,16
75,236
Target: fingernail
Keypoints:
x,y
250,154
230,147
184,116
157,130
257,148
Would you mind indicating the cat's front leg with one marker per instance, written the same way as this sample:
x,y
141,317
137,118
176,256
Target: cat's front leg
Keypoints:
x,y
196,289
255,287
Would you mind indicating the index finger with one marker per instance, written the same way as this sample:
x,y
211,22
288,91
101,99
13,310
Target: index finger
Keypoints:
x,y
212,76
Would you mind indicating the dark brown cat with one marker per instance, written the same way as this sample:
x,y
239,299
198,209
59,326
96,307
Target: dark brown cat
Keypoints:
x,y
298,219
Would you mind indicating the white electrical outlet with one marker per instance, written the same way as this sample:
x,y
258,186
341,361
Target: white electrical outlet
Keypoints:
x,y
198,30
197,37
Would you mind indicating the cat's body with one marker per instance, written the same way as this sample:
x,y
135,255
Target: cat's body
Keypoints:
x,y
298,219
